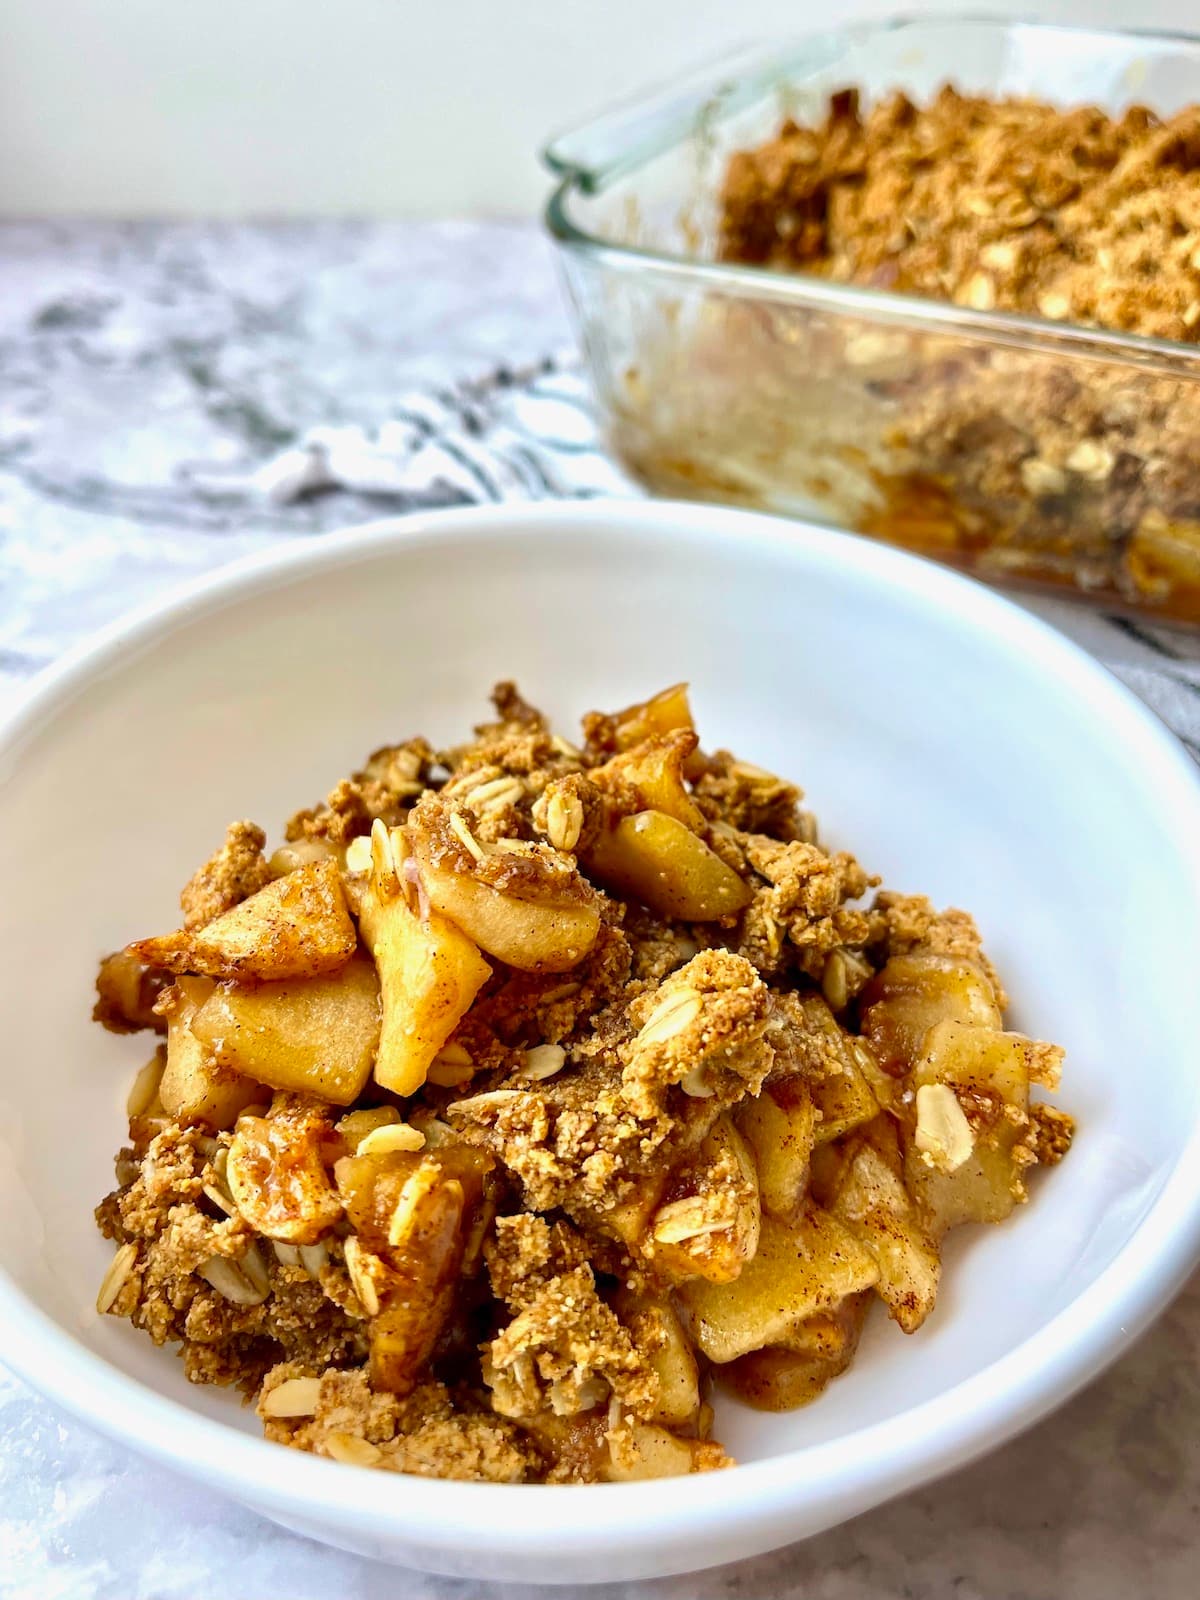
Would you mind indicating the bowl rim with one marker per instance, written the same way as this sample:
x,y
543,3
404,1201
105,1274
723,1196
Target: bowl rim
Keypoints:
x,y
834,1478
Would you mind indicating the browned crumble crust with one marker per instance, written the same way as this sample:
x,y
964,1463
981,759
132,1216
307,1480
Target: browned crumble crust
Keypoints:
x,y
1053,1132
707,1021
572,1144
431,1432
564,1348
753,801
504,1273
236,871
177,1231
392,779
528,1008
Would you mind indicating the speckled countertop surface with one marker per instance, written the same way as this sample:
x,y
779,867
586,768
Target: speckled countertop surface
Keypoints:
x,y
130,356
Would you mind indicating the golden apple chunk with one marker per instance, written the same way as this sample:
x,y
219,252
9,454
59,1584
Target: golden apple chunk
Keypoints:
x,y
782,1377
429,973
531,935
195,1086
845,1094
872,1201
313,1035
661,862
276,1174
296,927
654,770
669,1355
915,992
779,1126
987,1072
796,1273
405,1256
662,713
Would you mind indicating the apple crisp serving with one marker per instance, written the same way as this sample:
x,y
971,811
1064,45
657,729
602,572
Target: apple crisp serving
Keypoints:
x,y
528,1087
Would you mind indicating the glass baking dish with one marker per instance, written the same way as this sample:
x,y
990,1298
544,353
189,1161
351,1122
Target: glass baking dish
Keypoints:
x,y
1023,450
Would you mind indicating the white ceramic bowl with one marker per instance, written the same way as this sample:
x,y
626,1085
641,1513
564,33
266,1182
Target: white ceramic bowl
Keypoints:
x,y
960,747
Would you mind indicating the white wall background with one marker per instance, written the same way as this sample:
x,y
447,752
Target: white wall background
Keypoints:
x,y
338,107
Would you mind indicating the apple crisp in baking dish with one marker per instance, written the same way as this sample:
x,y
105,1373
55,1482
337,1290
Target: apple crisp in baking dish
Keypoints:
x,y
1044,452
529,1087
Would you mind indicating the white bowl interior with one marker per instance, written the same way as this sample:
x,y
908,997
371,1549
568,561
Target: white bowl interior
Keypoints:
x,y
949,759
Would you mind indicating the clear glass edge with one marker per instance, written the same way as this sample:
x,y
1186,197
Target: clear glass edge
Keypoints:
x,y
1164,356
640,126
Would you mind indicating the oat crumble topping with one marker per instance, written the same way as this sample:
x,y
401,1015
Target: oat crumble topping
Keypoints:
x,y
1010,204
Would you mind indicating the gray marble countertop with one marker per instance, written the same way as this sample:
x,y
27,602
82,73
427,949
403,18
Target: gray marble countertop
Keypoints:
x,y
128,356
